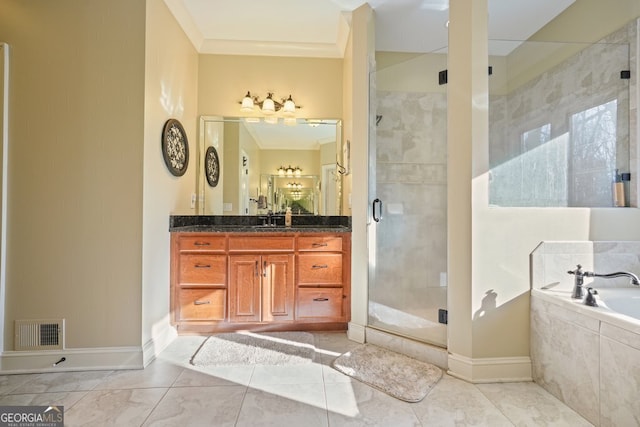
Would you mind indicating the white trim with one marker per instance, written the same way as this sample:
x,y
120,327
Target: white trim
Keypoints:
x,y
268,48
418,350
356,332
184,20
4,140
78,359
157,344
490,369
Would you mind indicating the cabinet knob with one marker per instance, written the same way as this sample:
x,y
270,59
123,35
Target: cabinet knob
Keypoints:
x,y
201,302
202,266
318,245
321,299
317,266
201,244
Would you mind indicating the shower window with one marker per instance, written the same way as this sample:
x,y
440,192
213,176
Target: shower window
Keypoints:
x,y
559,122
593,154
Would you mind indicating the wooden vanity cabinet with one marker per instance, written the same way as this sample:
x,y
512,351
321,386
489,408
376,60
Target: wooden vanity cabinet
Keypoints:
x,y
272,281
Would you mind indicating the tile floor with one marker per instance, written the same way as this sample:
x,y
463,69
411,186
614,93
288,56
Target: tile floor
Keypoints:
x,y
171,392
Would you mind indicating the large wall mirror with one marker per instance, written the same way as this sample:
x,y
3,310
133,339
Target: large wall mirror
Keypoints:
x,y
264,167
560,115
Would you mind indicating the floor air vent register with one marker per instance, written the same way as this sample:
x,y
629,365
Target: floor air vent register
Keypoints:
x,y
34,335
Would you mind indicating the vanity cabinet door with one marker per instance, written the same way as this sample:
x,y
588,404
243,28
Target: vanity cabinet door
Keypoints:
x,y
245,278
261,288
278,287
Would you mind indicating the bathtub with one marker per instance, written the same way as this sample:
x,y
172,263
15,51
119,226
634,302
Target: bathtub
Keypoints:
x,y
625,301
589,357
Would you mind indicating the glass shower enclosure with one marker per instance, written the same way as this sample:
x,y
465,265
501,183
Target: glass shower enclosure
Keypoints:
x,y
408,193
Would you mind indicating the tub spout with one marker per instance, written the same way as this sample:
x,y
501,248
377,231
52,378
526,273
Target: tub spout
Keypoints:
x,y
634,279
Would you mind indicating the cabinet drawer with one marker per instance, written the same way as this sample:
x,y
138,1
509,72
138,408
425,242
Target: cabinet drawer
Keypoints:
x,y
202,243
202,304
203,269
319,303
320,269
260,244
320,243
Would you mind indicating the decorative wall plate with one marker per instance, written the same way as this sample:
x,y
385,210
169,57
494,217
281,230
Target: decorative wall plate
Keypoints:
x,y
212,166
175,147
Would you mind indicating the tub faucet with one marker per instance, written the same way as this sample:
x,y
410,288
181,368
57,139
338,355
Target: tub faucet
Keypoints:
x,y
578,291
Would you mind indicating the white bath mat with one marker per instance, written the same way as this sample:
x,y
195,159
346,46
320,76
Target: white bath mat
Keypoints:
x,y
397,375
251,348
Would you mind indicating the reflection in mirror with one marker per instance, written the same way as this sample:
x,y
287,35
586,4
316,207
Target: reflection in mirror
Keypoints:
x,y
269,167
300,193
559,123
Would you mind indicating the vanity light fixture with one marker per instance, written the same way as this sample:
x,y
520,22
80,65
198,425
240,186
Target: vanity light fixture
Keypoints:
x,y
269,106
295,185
289,171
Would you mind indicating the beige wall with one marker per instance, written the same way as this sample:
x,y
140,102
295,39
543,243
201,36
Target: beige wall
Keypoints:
x,y
170,92
251,148
584,22
327,154
231,166
75,207
361,57
587,21
314,83
397,72
4,138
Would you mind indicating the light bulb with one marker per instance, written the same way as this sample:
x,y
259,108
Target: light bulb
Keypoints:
x,y
247,103
289,108
268,106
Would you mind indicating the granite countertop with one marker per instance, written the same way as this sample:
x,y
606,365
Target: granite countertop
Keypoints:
x,y
254,224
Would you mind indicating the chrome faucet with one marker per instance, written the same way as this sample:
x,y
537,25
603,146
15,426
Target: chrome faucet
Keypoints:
x,y
578,282
578,291
634,279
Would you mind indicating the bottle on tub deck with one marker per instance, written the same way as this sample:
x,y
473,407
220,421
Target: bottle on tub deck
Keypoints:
x,y
619,199
287,217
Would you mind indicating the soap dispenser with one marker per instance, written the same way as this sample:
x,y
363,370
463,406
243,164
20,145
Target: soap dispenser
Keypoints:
x,y
287,217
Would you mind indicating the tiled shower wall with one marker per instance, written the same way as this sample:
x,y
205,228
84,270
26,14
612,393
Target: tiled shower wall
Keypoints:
x,y
562,171
411,173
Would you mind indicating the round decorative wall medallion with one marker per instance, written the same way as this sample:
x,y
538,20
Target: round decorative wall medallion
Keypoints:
x,y
212,166
175,147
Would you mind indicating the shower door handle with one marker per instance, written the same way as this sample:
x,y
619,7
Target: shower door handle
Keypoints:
x,y
378,217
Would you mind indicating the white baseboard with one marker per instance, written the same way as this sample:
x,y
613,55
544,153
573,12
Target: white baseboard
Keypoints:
x,y
415,349
490,369
356,332
158,343
76,359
